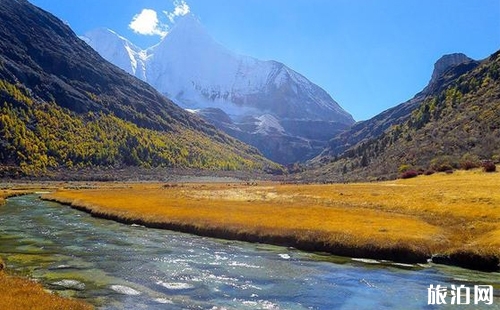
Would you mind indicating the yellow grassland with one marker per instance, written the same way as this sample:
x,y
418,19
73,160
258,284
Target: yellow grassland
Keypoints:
x,y
18,293
425,215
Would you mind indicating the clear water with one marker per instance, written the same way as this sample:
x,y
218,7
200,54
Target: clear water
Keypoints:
x,y
116,266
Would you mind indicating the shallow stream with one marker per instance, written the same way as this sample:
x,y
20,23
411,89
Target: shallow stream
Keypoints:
x,y
116,266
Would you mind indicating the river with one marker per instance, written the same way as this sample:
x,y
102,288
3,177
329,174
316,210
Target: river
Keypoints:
x,y
116,266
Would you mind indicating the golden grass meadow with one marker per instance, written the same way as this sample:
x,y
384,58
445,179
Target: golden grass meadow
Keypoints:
x,y
403,220
19,293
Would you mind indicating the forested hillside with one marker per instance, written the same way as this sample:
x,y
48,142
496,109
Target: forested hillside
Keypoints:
x,y
63,106
456,126
38,135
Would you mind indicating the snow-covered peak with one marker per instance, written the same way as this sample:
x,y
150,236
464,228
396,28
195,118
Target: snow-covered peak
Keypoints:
x,y
187,34
264,103
195,71
189,24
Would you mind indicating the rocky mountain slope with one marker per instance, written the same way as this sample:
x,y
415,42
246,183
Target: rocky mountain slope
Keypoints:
x,y
453,65
268,104
63,105
454,120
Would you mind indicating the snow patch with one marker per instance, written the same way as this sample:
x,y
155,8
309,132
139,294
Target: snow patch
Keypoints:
x,y
267,124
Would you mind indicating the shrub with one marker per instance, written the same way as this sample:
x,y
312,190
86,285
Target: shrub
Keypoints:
x,y
489,166
429,172
443,164
403,168
443,168
409,174
467,165
469,161
496,158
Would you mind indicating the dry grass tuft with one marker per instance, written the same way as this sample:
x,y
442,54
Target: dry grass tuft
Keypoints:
x,y
17,293
11,192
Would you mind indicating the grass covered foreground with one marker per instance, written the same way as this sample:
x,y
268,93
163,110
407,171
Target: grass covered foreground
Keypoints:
x,y
456,216
18,293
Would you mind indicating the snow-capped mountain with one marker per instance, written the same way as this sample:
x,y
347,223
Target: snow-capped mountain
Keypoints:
x,y
261,98
121,51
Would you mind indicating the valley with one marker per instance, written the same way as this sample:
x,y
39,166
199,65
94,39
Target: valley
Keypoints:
x,y
185,175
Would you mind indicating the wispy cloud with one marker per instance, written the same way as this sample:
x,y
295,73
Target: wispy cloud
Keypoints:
x,y
147,23
181,8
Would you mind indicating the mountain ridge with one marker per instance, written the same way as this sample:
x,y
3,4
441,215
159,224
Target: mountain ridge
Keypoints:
x,y
446,69
134,56
197,72
55,88
453,124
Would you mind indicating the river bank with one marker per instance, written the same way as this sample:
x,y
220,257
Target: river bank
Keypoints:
x,y
116,266
452,219
12,193
20,293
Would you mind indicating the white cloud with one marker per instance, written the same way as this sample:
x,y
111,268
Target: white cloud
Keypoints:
x,y
147,23
181,9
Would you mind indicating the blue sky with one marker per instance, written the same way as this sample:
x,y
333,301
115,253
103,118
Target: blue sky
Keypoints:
x,y
369,55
